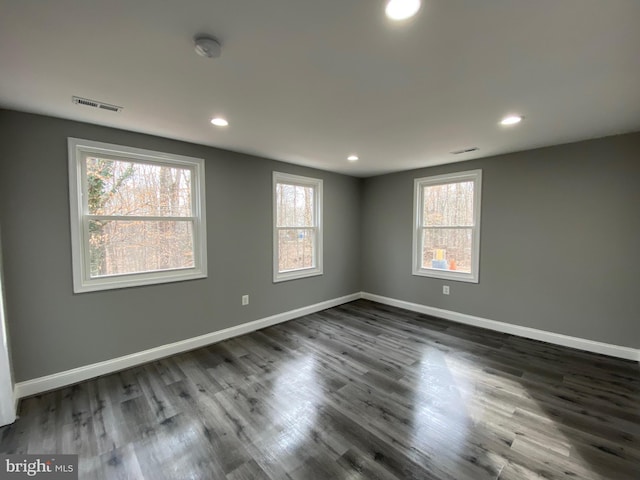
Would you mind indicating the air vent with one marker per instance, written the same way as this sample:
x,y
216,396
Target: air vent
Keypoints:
x,y
96,104
466,150
111,108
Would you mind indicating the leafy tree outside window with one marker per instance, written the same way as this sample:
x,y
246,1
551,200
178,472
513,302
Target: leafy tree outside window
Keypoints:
x,y
137,216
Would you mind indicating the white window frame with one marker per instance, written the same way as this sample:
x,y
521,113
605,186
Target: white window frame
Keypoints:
x,y
82,281
317,268
418,228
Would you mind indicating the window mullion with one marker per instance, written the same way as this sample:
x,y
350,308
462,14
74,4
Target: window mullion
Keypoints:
x,y
436,227
141,218
297,228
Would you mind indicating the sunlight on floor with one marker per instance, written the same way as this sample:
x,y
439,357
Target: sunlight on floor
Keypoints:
x,y
298,387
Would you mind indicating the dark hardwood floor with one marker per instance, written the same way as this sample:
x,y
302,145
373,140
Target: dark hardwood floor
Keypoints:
x,y
361,391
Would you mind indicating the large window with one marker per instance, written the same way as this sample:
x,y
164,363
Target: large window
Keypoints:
x,y
297,232
137,216
446,235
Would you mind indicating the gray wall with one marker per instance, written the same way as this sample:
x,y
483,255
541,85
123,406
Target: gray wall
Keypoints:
x,y
560,240
53,330
560,247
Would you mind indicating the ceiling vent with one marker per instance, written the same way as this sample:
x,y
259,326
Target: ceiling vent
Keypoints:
x,y
466,150
96,104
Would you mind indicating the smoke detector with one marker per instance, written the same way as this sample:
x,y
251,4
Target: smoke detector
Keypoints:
x,y
207,46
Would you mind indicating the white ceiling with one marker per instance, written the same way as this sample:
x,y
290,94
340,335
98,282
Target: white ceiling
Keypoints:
x,y
312,81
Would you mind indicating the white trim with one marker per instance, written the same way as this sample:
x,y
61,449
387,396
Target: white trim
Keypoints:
x,y
520,331
82,280
317,268
474,176
69,377
7,387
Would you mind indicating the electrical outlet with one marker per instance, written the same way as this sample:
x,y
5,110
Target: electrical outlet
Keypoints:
x,y
445,289
245,299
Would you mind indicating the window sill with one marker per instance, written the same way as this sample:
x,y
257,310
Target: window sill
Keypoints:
x,y
446,275
137,280
296,274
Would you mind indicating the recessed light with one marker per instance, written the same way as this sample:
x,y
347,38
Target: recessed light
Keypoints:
x,y
353,158
511,120
402,9
219,122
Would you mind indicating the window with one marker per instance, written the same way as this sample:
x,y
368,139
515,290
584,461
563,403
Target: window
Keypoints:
x,y
446,237
297,232
137,216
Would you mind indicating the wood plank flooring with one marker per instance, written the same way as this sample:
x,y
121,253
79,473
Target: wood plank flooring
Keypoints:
x,y
360,391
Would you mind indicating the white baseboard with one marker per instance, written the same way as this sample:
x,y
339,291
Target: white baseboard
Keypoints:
x,y
69,377
526,332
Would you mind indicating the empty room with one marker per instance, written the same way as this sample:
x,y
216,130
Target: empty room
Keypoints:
x,y
296,239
